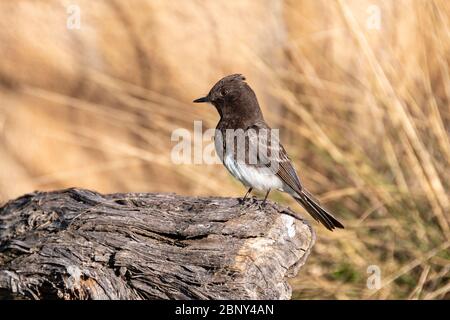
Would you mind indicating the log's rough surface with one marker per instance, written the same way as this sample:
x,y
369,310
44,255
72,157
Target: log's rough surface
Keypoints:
x,y
79,244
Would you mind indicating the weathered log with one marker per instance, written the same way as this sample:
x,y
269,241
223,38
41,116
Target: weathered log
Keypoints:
x,y
79,244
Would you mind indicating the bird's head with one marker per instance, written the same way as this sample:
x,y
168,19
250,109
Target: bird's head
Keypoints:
x,y
232,96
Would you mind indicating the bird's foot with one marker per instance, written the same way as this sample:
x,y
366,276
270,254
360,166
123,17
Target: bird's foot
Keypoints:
x,y
244,200
261,205
248,202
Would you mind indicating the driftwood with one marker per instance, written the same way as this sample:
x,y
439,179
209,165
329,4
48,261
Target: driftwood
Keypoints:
x,y
79,244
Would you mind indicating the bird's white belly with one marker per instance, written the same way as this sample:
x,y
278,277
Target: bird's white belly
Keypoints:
x,y
260,178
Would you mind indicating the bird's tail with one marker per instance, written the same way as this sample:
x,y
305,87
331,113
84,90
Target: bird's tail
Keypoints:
x,y
316,211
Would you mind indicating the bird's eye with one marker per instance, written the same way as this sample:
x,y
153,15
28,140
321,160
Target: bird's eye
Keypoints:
x,y
223,92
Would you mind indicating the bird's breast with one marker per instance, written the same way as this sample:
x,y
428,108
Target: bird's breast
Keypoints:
x,y
258,177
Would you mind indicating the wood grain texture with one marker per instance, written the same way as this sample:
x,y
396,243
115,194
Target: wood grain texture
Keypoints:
x,y
79,244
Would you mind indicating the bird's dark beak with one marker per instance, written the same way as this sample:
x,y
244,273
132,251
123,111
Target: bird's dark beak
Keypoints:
x,y
203,99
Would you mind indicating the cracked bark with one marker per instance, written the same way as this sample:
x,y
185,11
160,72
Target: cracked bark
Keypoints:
x,y
79,244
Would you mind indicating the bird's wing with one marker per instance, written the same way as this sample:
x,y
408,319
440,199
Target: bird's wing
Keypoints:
x,y
275,156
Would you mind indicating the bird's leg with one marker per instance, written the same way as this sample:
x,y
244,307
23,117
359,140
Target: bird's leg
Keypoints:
x,y
245,197
265,198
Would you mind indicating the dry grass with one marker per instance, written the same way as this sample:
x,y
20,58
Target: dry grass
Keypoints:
x,y
364,114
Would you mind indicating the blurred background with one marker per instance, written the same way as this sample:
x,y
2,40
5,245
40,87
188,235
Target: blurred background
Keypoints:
x,y
359,89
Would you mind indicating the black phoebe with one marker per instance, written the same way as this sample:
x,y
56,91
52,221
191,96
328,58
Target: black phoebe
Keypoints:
x,y
240,112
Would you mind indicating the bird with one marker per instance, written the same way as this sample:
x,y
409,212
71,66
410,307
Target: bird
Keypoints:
x,y
241,118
